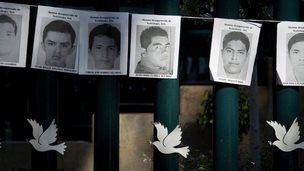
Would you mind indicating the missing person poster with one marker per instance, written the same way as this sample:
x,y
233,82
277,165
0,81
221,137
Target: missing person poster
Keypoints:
x,y
56,40
290,53
14,25
154,46
104,43
233,51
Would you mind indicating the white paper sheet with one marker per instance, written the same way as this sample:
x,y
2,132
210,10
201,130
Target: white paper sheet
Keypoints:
x,y
241,71
91,20
14,49
171,24
45,15
290,63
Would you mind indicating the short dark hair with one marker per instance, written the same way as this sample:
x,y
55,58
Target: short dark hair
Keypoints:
x,y
234,35
148,33
105,30
59,26
294,39
7,19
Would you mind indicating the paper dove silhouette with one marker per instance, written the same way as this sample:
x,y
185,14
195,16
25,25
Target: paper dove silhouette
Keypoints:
x,y
286,140
167,143
43,140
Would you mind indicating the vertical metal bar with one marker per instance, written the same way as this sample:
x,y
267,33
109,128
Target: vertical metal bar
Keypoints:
x,y
106,145
226,107
227,9
106,121
287,98
288,10
226,127
167,110
254,127
167,98
45,109
287,109
170,7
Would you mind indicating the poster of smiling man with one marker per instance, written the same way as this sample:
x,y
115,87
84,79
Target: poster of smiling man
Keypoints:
x,y
104,43
154,46
233,51
56,40
14,24
290,53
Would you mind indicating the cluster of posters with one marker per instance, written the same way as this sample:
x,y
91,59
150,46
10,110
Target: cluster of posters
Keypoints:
x,y
94,43
97,43
84,42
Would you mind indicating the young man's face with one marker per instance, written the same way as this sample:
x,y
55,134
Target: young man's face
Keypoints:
x,y
158,52
7,38
104,52
296,54
57,47
234,55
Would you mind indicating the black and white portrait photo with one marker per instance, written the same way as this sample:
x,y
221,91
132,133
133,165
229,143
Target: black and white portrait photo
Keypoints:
x,y
14,19
295,56
154,47
234,56
105,43
290,53
155,51
233,51
9,40
104,47
56,43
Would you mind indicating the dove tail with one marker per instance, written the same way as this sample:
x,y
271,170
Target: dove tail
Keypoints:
x,y
300,145
60,148
184,151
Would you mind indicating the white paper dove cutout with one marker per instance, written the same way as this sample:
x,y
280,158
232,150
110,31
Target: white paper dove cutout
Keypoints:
x,y
286,140
42,140
166,143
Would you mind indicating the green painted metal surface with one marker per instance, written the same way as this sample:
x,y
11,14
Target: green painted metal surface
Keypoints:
x,y
106,122
167,7
226,127
45,109
287,98
167,98
106,134
287,10
287,109
167,111
227,9
226,107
